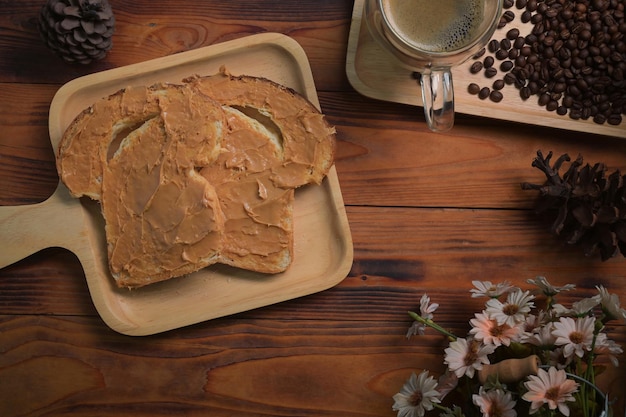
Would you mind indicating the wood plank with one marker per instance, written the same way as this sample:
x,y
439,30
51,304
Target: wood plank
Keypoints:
x,y
404,164
399,253
230,367
27,171
149,29
384,156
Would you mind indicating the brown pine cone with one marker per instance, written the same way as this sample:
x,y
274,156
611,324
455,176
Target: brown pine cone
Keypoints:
x,y
590,207
77,30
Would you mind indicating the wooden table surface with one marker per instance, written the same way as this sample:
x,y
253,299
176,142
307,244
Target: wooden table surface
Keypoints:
x,y
428,213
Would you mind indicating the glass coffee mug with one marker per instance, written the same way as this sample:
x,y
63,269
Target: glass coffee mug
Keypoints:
x,y
431,37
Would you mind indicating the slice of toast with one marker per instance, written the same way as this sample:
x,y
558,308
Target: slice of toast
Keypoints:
x,y
195,174
308,141
162,218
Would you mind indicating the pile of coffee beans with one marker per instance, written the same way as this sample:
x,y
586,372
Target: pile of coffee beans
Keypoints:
x,y
573,60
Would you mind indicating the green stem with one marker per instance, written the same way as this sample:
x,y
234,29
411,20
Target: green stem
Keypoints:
x,y
432,324
441,407
590,375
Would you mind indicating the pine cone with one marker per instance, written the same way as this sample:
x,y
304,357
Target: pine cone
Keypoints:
x,y
590,207
77,30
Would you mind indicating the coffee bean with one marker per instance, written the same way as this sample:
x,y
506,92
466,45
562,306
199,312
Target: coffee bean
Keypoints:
x,y
473,88
496,96
507,4
519,42
484,93
509,78
508,16
488,62
542,7
476,67
575,114
599,118
524,93
498,84
614,119
502,54
552,105
491,72
512,34
536,18
493,45
506,66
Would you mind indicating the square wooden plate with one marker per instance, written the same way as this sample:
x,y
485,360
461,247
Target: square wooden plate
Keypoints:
x,y
323,249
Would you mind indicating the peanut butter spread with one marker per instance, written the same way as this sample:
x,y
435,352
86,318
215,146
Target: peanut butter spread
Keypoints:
x,y
195,174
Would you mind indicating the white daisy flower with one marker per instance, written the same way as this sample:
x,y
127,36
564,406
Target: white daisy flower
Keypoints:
x,y
547,288
552,388
514,310
487,289
426,311
416,396
465,357
606,346
446,383
610,304
541,336
582,307
533,321
575,335
495,403
557,359
490,332
532,324
426,308
559,310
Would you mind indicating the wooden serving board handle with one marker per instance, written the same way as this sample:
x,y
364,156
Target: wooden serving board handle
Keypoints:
x,y
55,222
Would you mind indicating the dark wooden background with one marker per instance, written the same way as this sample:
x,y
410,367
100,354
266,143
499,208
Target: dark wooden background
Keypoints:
x,y
428,213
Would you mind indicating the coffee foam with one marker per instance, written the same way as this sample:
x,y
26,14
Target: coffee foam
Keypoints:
x,y
459,32
437,26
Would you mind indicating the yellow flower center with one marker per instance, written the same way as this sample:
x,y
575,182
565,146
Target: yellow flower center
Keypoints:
x,y
552,394
416,398
496,331
495,411
472,353
510,309
576,337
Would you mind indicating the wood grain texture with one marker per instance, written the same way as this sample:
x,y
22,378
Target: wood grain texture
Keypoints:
x,y
399,253
26,157
224,368
385,156
146,30
428,213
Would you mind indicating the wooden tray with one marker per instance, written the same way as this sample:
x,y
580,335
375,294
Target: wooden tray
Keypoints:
x,y
323,250
374,73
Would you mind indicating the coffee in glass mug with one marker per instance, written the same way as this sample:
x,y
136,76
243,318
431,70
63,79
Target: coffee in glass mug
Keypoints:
x,y
431,37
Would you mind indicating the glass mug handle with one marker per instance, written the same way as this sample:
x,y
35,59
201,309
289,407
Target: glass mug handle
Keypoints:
x,y
437,98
